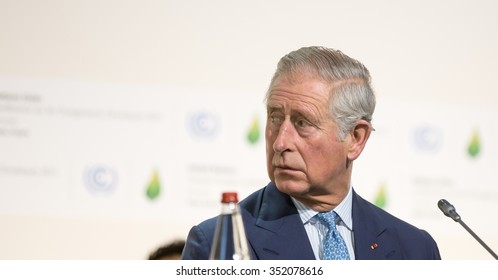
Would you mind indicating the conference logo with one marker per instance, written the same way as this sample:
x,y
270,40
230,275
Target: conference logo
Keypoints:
x,y
100,179
153,188
474,146
204,125
428,138
254,133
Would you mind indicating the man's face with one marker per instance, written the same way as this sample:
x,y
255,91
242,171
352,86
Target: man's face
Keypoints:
x,y
304,155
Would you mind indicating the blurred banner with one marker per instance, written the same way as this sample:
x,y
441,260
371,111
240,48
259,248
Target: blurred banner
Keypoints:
x,y
106,151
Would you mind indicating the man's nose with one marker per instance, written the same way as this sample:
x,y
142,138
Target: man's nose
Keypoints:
x,y
284,137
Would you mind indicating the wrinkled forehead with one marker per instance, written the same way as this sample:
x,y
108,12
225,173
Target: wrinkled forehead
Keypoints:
x,y
295,79
306,95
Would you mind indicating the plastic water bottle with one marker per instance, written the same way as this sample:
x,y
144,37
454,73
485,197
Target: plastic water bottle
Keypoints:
x,y
229,241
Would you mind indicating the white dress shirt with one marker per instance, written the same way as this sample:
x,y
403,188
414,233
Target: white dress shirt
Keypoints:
x,y
316,230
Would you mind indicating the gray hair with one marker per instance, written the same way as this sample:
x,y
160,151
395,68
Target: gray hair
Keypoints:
x,y
352,96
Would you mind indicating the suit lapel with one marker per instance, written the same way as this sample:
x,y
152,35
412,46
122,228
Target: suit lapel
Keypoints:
x,y
278,232
275,230
372,238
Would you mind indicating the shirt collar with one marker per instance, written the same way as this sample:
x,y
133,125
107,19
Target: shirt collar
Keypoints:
x,y
343,210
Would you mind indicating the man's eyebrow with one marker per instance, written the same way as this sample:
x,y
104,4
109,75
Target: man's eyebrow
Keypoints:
x,y
274,107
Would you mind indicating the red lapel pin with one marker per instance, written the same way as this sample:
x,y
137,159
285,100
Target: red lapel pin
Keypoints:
x,y
373,246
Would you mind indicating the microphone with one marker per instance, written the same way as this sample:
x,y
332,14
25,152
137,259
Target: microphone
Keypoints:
x,y
450,211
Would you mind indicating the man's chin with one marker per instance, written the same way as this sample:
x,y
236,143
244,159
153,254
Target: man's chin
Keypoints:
x,y
292,188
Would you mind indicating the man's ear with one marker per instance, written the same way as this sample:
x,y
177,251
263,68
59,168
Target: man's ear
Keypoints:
x,y
358,137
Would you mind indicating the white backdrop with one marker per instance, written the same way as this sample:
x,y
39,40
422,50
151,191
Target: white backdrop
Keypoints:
x,y
122,121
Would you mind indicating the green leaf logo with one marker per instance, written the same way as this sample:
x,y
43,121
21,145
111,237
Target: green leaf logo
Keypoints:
x,y
154,187
253,134
475,146
381,198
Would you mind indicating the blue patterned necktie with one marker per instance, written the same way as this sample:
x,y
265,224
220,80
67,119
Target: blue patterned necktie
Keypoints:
x,y
334,247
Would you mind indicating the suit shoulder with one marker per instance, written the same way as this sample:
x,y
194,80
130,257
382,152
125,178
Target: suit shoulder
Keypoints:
x,y
412,242
391,220
253,201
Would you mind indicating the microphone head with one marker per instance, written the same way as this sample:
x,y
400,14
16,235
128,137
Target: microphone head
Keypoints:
x,y
448,209
445,206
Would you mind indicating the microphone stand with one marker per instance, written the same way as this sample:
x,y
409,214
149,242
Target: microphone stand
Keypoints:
x,y
450,211
478,239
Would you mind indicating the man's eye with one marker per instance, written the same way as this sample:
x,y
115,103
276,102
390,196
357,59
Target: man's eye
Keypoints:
x,y
275,119
302,123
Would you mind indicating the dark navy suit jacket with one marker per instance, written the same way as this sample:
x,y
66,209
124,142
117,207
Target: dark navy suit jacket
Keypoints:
x,y
275,232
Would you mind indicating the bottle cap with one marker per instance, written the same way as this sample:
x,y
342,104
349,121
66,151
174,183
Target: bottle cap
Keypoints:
x,y
228,197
